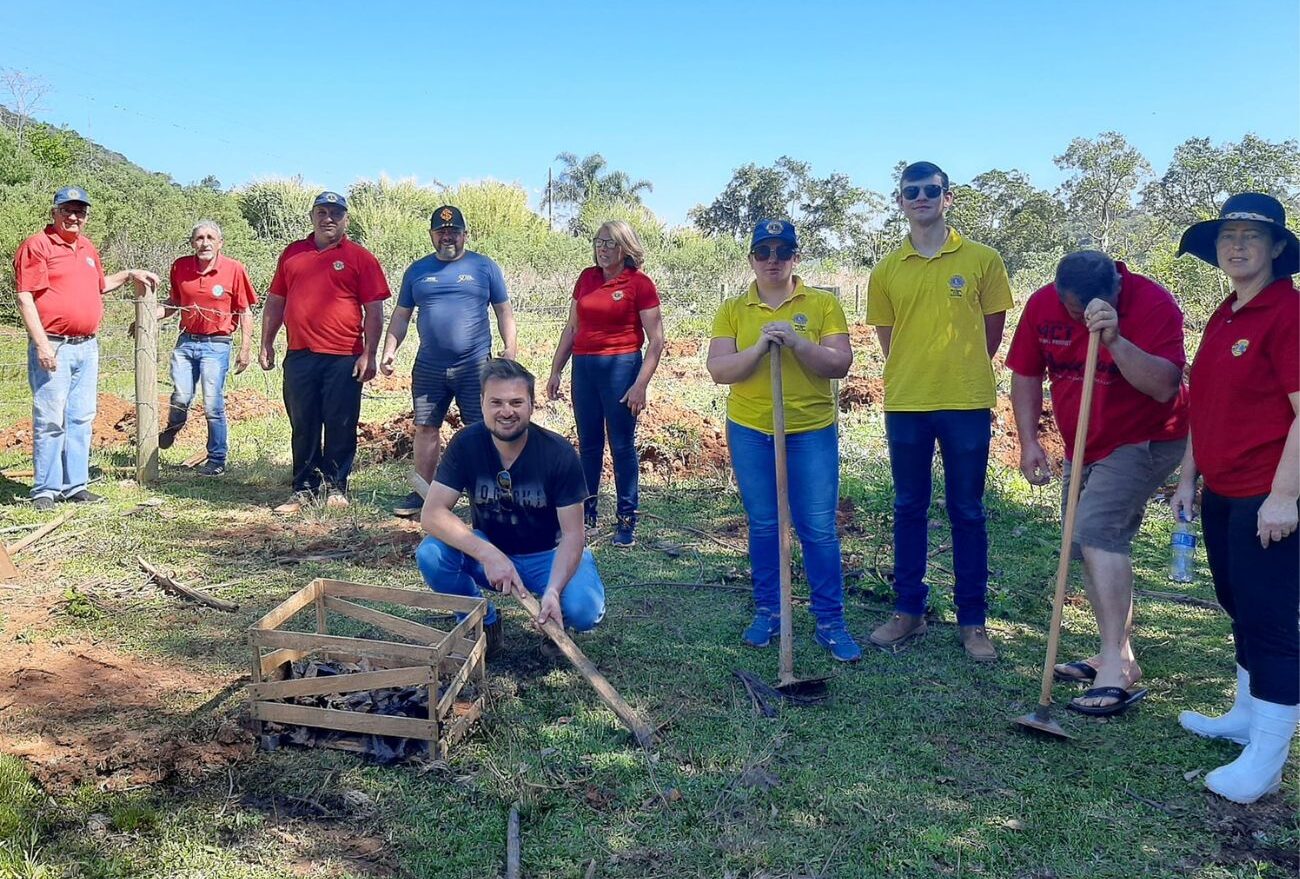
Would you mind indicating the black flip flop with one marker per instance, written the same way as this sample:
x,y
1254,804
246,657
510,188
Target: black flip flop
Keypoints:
x,y
1085,673
1127,699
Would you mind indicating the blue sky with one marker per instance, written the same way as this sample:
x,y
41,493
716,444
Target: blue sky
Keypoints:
x,y
679,93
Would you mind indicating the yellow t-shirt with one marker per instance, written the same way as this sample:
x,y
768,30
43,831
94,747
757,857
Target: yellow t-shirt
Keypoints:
x,y
938,354
815,314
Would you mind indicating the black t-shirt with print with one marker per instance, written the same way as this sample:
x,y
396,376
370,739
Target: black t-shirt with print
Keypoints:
x,y
515,508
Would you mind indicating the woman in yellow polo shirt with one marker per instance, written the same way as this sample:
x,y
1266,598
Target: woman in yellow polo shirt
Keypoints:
x,y
809,328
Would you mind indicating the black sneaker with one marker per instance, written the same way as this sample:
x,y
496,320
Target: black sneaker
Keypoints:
x,y
85,496
167,438
624,535
409,507
212,468
43,504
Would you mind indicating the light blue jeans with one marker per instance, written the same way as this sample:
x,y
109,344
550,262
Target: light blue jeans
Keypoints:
x,y
201,362
813,468
63,412
451,572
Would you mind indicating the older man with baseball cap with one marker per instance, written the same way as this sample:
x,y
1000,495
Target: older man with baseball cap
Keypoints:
x,y
61,282
451,288
328,292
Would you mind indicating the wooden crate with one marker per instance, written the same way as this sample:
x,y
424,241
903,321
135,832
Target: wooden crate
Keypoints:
x,y
428,657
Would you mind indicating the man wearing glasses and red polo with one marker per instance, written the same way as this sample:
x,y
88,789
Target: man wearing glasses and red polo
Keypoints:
x,y
939,305
60,282
526,490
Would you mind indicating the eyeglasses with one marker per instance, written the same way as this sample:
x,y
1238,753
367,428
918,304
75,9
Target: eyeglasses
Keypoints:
x,y
784,252
506,500
931,190
70,211
604,243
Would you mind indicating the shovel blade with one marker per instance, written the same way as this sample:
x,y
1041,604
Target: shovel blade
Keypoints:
x,y
804,690
1040,721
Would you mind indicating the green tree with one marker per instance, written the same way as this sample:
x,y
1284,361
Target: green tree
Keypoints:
x,y
1106,174
1008,213
1201,176
586,178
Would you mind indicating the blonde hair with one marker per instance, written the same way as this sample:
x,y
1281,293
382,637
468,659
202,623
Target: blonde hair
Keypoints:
x,y
625,236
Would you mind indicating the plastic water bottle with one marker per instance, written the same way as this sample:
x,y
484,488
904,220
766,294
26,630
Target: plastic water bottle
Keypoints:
x,y
1182,546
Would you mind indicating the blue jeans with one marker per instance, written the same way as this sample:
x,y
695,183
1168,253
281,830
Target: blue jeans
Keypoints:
x,y
599,381
963,437
451,572
197,361
63,412
812,463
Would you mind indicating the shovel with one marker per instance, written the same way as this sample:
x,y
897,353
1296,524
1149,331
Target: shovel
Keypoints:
x,y
1040,719
797,690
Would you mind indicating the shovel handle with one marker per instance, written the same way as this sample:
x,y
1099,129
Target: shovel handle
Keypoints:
x,y
786,669
1071,506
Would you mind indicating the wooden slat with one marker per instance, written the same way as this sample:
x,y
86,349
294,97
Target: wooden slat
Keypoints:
x,y
276,658
342,683
422,598
282,612
456,730
348,721
458,681
392,624
357,646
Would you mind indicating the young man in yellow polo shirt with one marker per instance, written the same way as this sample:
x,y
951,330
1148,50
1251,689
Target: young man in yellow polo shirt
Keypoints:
x,y
939,304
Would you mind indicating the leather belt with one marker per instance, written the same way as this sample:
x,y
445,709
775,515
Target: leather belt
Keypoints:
x,y
69,340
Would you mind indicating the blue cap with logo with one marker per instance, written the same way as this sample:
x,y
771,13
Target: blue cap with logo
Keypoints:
x,y
782,230
333,198
71,193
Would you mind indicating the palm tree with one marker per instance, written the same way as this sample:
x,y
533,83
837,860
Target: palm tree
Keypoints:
x,y
583,179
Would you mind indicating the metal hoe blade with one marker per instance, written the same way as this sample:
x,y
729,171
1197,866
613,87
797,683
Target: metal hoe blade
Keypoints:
x,y
1040,721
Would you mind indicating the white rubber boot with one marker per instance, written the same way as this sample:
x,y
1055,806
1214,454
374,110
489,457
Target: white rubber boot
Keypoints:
x,y
1258,771
1233,726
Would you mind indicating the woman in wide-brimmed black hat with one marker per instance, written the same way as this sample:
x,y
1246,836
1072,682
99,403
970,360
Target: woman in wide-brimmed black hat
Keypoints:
x,y
1245,441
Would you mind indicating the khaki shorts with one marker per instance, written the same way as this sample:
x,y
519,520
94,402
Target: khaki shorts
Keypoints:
x,y
1115,493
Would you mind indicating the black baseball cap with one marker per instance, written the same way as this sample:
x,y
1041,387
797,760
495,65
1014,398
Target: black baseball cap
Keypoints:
x,y
447,217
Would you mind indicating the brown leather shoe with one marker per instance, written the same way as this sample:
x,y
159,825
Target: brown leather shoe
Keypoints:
x,y
976,641
901,628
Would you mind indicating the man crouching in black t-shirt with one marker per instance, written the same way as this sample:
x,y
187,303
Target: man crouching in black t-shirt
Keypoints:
x,y
526,490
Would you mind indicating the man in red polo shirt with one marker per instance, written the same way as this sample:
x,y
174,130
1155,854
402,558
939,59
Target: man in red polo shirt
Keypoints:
x,y
212,292
60,282
328,292
1136,436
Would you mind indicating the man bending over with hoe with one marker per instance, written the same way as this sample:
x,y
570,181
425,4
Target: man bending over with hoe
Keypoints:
x,y
526,491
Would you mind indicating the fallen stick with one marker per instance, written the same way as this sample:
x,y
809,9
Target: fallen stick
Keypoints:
x,y
555,631
1179,598
706,535
15,548
18,474
170,584
512,844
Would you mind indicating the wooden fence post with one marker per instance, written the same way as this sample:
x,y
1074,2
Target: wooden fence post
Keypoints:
x,y
146,387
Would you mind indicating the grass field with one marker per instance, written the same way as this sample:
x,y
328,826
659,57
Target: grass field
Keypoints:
x,y
124,753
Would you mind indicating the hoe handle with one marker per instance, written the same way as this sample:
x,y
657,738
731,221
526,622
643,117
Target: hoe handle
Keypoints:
x,y
1071,506
786,670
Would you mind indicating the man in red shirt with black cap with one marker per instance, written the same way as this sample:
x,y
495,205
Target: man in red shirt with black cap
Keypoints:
x,y
328,292
60,282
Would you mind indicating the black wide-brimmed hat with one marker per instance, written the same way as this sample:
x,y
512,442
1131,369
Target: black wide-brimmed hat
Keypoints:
x,y
1199,240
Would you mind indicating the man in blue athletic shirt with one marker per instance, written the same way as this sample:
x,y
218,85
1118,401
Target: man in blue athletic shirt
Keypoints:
x,y
452,288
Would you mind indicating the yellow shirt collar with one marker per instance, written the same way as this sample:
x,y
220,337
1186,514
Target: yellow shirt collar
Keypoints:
x,y
954,241
751,297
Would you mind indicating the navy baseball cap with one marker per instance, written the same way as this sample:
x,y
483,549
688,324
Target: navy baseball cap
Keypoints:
x,y
71,193
331,198
447,217
1200,240
782,230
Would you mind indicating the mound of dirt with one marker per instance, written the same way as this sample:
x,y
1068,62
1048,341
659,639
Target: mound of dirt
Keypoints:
x,y
857,391
394,439
1005,444
682,348
78,712
677,442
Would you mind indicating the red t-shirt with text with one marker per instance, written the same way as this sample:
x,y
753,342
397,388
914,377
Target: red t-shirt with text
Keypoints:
x,y
323,293
209,298
609,312
1247,364
65,279
1048,340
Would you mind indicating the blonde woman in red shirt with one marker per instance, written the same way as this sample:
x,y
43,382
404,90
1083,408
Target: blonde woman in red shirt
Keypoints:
x,y
615,310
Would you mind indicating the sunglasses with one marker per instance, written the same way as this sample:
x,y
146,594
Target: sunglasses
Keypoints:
x,y
931,190
784,252
506,499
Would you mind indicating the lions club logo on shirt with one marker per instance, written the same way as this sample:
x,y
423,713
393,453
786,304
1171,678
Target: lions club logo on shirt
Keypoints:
x,y
956,285
217,290
90,261
800,321
338,265
617,295
1239,347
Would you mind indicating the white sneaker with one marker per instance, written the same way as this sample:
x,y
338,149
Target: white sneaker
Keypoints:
x,y
1233,726
1258,771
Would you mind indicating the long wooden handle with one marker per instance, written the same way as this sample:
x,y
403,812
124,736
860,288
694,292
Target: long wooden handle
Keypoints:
x,y
625,713
786,669
1071,505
